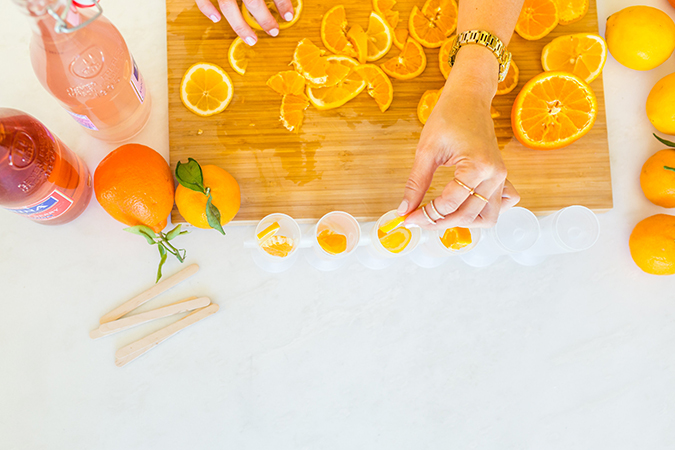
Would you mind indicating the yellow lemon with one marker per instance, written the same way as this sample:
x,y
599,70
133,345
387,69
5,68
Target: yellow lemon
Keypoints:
x,y
640,37
661,105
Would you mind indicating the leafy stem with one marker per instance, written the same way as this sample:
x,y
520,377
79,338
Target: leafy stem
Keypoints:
x,y
161,240
669,168
190,176
664,142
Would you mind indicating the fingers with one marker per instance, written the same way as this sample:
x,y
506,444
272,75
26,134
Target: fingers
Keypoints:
x,y
510,197
420,178
262,15
285,9
233,15
209,10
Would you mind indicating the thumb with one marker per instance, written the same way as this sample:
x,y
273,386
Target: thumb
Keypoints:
x,y
418,183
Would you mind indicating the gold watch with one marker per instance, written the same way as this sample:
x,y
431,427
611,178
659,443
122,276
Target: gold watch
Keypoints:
x,y
489,40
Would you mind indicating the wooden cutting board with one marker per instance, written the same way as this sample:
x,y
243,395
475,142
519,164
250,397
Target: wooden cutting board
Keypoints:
x,y
355,158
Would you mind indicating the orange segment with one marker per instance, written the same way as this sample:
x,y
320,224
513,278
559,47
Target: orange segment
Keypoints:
x,y
427,103
511,80
297,10
380,37
287,82
268,232
571,11
385,9
308,61
410,63
279,246
456,238
444,56
346,89
397,240
537,19
334,31
378,84
400,37
239,55
359,41
582,54
434,23
390,226
292,111
206,89
334,243
553,110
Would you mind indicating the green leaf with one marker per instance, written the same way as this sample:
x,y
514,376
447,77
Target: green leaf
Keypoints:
x,y
144,231
190,175
175,233
669,168
213,216
664,142
163,255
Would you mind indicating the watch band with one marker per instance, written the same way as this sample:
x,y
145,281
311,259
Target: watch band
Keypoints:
x,y
488,40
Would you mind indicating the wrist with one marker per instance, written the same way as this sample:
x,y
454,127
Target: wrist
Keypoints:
x,y
477,70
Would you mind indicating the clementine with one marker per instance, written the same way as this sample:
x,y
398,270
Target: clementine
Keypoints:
x,y
652,244
657,178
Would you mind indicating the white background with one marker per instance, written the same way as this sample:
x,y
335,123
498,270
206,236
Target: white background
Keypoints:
x,y
577,353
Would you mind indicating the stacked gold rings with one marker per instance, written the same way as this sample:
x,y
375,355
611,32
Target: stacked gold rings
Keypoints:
x,y
472,191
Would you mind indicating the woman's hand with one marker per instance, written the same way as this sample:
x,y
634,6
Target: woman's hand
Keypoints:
x,y
257,8
460,133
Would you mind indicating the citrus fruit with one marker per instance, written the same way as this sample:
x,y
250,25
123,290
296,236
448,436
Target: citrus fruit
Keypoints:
x,y
657,178
553,110
385,8
661,105
225,196
537,19
134,184
279,246
390,226
345,90
652,244
378,84
292,111
456,238
582,54
334,31
359,41
400,36
268,232
336,70
571,11
427,103
444,56
239,55
206,89
397,240
334,243
434,23
297,10
309,62
287,82
640,37
493,112
410,63
380,37
511,80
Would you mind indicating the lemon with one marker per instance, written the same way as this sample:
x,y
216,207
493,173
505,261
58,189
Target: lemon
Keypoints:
x,y
640,37
661,105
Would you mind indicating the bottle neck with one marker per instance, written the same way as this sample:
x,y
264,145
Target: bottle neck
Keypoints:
x,y
55,19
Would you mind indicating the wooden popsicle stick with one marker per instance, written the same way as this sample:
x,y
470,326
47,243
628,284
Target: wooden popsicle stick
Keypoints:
x,y
135,349
151,293
182,306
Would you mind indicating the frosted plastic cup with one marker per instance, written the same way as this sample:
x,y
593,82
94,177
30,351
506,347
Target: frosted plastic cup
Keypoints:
x,y
374,255
289,228
339,222
433,253
516,231
572,229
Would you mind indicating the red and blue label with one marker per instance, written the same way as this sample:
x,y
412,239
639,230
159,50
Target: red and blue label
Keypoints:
x,y
50,208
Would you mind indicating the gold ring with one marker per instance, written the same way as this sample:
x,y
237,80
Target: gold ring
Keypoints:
x,y
471,190
476,194
433,208
424,210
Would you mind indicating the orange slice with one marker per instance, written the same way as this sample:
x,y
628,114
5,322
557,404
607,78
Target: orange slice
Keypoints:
x,y
443,13
206,89
359,41
334,31
239,55
444,56
268,232
582,54
279,246
493,112
378,84
434,23
456,238
427,103
308,61
287,82
380,37
385,8
397,240
537,19
410,63
292,111
400,37
390,226
297,10
553,110
336,70
571,11
334,243
346,89
511,80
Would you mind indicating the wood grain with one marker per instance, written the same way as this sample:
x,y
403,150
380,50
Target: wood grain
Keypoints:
x,y
355,158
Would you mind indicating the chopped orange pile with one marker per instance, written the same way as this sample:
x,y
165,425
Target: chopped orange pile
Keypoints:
x,y
456,238
334,243
346,89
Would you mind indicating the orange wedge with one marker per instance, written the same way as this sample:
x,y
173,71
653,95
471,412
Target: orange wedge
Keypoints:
x,y
308,61
553,110
206,89
493,112
400,37
582,54
571,11
410,63
334,31
537,19
358,39
297,10
287,82
456,238
292,111
334,243
427,103
239,55
268,232
444,56
397,240
511,80
385,8
434,23
380,37
390,226
279,246
378,84
346,89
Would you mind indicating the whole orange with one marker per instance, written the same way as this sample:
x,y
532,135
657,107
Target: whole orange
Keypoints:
x,y
658,178
652,244
134,185
672,3
225,196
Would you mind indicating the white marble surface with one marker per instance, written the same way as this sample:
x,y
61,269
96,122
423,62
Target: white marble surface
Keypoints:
x,y
577,353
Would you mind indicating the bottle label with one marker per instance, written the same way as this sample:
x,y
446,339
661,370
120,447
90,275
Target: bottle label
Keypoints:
x,y
55,205
83,120
137,81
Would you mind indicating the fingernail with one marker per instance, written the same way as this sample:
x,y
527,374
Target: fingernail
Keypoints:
x,y
214,18
402,208
288,16
250,41
274,32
